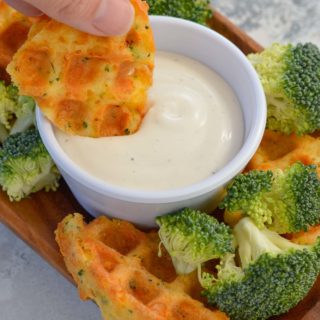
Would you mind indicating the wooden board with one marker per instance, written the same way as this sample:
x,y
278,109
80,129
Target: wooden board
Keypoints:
x,y
35,219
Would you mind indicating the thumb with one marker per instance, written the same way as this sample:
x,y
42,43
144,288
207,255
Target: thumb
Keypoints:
x,y
99,17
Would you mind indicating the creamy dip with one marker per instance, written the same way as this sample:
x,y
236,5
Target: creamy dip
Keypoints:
x,y
193,128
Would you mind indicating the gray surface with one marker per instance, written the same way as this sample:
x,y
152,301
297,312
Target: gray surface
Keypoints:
x,y
275,20
29,288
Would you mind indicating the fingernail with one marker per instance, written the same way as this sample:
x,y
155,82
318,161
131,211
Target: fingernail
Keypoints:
x,y
114,17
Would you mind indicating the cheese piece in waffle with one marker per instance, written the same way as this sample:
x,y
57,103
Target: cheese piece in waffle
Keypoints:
x,y
280,151
88,85
118,267
14,28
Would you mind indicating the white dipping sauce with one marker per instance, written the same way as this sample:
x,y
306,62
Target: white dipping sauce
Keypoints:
x,y
194,127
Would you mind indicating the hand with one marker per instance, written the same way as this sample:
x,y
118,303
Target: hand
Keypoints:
x,y
98,17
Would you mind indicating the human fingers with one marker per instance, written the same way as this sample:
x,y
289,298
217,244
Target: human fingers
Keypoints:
x,y
99,17
23,7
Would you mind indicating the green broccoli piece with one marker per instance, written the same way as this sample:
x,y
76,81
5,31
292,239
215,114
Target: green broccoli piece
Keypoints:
x,y
290,76
25,116
192,238
275,274
16,112
194,10
247,193
3,133
26,166
8,103
284,201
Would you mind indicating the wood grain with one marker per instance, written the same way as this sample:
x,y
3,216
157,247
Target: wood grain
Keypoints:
x,y
35,219
242,40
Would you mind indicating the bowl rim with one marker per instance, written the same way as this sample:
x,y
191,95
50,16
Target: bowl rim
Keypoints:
x,y
225,174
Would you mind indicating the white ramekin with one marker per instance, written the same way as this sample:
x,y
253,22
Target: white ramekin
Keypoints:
x,y
141,207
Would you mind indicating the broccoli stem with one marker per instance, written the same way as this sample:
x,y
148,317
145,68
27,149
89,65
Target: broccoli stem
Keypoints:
x,y
281,242
23,123
183,267
253,242
3,133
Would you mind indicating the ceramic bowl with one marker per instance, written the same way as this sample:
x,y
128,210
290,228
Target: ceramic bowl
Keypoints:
x,y
141,207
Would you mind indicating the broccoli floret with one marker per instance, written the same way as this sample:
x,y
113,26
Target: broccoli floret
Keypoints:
x,y
284,201
274,275
290,76
247,194
16,112
192,238
194,10
26,166
8,104
3,133
24,113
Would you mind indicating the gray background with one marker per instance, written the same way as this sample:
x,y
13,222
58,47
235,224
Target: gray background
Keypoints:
x,y
29,288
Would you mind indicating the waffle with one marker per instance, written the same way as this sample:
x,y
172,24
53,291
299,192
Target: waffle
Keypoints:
x,y
305,237
280,151
118,267
88,85
14,29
